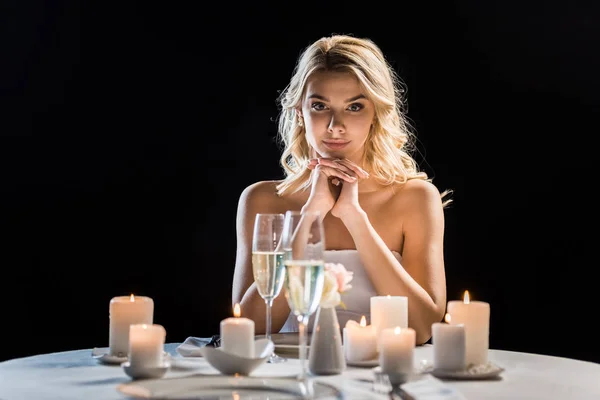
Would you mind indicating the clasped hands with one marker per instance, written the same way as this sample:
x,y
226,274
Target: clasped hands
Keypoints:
x,y
334,186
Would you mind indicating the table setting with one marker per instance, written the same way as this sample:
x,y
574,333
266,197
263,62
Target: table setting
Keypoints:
x,y
288,258
379,357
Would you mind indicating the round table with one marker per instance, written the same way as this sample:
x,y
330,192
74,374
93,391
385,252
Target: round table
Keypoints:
x,y
76,375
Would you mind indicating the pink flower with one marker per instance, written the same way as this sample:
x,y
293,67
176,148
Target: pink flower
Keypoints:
x,y
341,274
337,280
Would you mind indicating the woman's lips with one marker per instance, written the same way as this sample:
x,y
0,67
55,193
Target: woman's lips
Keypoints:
x,y
335,145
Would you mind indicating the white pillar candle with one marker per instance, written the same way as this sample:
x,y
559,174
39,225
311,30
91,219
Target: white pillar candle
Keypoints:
x,y
360,341
475,316
237,334
123,312
449,345
389,312
396,351
146,345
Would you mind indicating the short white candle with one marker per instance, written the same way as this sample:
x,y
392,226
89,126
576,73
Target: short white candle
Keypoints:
x,y
360,341
389,312
123,312
237,334
449,345
475,316
396,352
146,345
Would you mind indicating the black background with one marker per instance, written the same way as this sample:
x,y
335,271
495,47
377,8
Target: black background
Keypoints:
x,y
130,129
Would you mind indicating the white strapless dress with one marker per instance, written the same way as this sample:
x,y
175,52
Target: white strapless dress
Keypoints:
x,y
357,299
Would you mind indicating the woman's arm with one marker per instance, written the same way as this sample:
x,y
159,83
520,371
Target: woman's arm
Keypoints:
x,y
256,198
420,275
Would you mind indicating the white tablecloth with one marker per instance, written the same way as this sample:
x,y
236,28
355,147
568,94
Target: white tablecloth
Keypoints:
x,y
76,375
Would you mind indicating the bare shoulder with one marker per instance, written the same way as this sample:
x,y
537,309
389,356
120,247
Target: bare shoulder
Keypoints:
x,y
262,189
417,194
262,197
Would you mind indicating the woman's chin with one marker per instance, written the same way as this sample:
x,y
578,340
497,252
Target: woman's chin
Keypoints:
x,y
333,154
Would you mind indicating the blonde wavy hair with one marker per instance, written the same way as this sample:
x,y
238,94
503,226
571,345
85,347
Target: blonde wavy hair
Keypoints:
x,y
388,148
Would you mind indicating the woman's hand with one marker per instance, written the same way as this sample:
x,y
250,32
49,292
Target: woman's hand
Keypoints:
x,y
342,178
325,187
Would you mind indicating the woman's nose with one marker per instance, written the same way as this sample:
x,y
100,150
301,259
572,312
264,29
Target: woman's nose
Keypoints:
x,y
336,124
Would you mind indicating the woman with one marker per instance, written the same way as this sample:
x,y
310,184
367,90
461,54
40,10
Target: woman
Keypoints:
x,y
346,154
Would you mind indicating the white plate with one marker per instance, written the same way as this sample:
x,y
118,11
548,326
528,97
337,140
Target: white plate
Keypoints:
x,y
367,363
473,372
212,387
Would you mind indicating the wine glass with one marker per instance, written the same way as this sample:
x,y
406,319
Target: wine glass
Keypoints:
x,y
267,264
303,241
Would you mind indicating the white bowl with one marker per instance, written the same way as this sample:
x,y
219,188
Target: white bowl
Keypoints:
x,y
231,364
142,372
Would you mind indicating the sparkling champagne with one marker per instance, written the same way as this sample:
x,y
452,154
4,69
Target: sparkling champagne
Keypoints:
x,y
269,272
304,285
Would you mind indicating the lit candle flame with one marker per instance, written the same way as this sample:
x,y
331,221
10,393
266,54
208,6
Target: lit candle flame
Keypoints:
x,y
132,298
363,321
447,318
389,297
144,326
466,298
397,330
236,310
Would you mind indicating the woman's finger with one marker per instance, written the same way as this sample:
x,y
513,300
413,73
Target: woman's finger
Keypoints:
x,y
334,172
355,168
335,164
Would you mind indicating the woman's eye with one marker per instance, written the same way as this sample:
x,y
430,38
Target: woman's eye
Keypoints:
x,y
318,106
355,107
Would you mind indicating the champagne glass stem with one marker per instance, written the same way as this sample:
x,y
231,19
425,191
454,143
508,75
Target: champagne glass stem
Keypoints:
x,y
269,303
302,339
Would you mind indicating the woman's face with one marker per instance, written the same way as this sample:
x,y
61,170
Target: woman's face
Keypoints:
x,y
337,115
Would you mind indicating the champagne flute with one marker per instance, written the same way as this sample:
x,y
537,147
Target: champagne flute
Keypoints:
x,y
303,241
267,264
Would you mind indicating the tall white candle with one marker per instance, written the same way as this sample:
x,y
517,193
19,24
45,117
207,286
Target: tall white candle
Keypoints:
x,y
396,351
475,316
449,345
237,334
146,345
123,312
360,341
389,312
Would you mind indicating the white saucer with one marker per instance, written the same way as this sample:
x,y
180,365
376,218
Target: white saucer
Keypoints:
x,y
141,372
473,372
232,364
103,356
367,363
